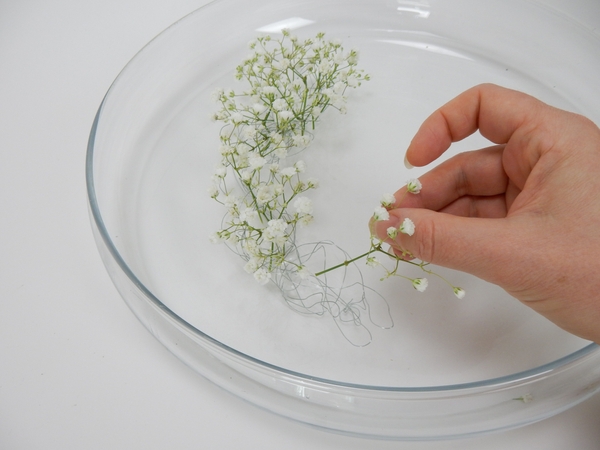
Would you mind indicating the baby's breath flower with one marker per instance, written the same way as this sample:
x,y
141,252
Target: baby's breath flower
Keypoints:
x,y
303,273
392,232
420,284
306,220
290,83
413,186
303,205
407,227
275,232
213,191
388,200
312,183
459,292
300,166
372,261
280,104
220,171
285,115
256,162
252,265
288,172
237,117
216,238
262,276
381,214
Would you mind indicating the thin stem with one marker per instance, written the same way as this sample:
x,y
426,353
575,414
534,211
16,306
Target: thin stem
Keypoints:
x,y
345,263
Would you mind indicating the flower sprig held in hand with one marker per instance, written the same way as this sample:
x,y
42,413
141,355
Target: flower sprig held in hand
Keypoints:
x,y
387,202
413,186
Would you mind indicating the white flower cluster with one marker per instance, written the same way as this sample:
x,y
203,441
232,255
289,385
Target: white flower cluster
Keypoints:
x,y
291,83
381,213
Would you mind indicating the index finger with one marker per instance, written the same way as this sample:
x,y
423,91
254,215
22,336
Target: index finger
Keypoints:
x,y
495,111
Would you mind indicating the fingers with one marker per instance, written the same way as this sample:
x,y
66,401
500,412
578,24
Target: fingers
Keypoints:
x,y
497,112
472,180
456,242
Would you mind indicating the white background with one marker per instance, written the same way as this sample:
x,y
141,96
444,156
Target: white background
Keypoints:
x,y
77,371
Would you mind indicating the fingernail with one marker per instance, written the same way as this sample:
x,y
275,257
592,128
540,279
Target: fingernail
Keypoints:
x,y
407,164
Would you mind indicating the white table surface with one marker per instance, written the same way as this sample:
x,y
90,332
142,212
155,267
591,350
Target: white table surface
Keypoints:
x,y
77,370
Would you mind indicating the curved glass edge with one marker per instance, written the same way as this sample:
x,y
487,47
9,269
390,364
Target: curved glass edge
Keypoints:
x,y
99,223
395,415
97,218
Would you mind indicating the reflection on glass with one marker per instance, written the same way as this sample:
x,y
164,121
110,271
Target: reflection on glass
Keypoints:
x,y
427,47
290,24
418,8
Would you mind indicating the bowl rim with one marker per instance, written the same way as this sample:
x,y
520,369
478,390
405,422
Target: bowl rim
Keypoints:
x,y
521,376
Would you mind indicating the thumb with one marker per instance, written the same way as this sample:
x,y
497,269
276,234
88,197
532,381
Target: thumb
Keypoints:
x,y
480,246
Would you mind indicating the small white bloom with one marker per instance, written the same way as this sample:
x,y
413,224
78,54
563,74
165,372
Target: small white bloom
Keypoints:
x,y
387,200
231,200
216,94
407,227
288,172
286,115
275,232
243,149
420,284
262,276
303,273
248,132
246,175
392,232
459,292
306,220
213,191
324,65
256,162
300,140
264,195
220,171
237,117
372,261
352,81
300,166
276,137
282,65
281,152
280,104
226,149
353,57
248,214
312,183
250,246
269,90
258,108
381,214
216,238
252,265
413,186
303,205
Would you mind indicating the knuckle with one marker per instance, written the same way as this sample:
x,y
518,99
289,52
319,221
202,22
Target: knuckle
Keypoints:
x,y
425,234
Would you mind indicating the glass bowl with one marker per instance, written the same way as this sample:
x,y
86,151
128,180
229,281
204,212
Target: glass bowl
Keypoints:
x,y
447,367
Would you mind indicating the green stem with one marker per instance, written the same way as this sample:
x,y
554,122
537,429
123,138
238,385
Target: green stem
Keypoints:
x,y
345,263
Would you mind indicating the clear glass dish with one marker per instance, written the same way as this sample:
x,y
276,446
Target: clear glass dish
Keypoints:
x,y
448,367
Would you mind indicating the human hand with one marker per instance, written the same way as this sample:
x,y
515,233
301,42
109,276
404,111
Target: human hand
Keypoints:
x,y
523,214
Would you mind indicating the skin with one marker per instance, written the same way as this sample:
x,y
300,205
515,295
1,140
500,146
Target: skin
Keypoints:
x,y
523,214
